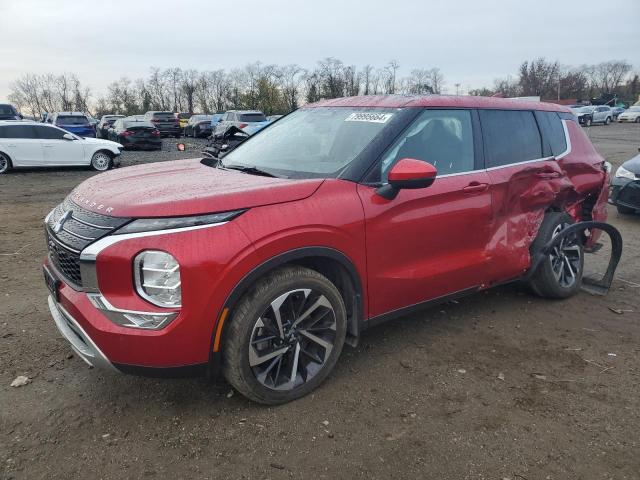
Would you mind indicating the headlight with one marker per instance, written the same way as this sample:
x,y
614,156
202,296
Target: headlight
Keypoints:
x,y
152,224
624,173
157,278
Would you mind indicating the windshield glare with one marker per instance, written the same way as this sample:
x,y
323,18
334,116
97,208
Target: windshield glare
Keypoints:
x,y
312,142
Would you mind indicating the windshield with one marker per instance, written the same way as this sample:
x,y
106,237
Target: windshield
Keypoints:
x,y
7,110
634,109
312,142
72,120
586,109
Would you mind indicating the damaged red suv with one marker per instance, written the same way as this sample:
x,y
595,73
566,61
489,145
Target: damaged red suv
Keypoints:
x,y
262,264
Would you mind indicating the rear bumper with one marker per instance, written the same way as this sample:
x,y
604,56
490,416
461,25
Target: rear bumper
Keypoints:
x,y
625,192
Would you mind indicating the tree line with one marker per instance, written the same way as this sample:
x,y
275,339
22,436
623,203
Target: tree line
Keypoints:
x,y
550,80
278,89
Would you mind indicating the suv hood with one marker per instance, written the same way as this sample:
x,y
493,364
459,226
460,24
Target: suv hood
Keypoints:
x,y
184,187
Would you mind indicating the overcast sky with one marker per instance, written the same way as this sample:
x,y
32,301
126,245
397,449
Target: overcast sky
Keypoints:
x,y
471,41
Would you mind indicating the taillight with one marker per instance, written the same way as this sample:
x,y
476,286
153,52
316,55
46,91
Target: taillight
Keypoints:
x,y
242,125
156,133
126,133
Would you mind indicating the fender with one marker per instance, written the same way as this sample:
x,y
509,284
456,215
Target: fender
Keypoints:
x,y
592,285
355,323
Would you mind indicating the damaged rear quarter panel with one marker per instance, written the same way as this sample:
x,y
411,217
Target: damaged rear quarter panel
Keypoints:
x,y
523,193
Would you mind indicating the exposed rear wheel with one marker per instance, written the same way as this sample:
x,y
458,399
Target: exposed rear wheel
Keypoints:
x,y
5,163
285,336
101,161
560,273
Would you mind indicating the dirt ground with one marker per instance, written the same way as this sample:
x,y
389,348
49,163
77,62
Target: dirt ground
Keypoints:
x,y
498,385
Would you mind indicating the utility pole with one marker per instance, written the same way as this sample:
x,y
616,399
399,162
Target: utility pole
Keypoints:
x,y
457,85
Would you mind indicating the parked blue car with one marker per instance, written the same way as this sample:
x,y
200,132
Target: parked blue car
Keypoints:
x,y
73,122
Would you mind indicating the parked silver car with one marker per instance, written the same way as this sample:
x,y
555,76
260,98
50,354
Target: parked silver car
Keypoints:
x,y
248,120
594,114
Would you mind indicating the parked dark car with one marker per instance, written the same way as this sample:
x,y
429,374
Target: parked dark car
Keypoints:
x,y
9,112
133,133
198,126
625,186
166,122
106,122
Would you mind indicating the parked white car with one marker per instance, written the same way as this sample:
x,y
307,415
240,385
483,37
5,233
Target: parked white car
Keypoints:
x,y
632,114
32,144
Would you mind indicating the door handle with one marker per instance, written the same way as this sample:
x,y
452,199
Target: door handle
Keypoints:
x,y
475,187
547,175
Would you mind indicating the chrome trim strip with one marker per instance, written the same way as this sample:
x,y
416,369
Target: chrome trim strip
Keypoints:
x,y
90,253
544,159
91,224
567,138
77,235
97,298
89,351
66,247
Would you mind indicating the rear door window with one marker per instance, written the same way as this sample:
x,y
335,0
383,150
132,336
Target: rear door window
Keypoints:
x,y
18,131
552,132
510,136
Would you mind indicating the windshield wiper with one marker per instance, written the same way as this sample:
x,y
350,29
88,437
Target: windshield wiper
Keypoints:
x,y
248,169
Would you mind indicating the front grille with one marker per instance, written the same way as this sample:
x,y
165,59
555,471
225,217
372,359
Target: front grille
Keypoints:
x,y
69,230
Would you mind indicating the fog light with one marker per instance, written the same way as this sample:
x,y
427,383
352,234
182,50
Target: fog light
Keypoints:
x,y
157,278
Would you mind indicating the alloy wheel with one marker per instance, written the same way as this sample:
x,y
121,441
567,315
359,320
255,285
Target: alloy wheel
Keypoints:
x,y
4,163
566,258
292,340
101,161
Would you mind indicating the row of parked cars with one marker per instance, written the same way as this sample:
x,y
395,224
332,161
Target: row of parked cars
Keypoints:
x,y
589,114
146,131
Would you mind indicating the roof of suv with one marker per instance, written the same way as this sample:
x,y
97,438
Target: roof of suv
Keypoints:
x,y
452,101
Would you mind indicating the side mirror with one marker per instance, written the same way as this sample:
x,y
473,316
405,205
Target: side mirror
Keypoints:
x,y
68,136
408,173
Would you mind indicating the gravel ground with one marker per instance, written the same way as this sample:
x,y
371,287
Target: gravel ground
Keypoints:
x,y
498,385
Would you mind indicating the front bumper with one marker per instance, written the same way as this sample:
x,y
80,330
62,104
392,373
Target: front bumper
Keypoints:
x,y
81,343
625,192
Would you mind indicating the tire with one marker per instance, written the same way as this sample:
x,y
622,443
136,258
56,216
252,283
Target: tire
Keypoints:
x,y
560,274
607,120
625,210
637,120
268,378
101,161
5,163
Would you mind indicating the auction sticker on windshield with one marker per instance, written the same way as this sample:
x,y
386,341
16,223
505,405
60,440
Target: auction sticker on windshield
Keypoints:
x,y
369,117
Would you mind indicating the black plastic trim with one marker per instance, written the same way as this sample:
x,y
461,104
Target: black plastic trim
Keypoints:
x,y
198,370
401,312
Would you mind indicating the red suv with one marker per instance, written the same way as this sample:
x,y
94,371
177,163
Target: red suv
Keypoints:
x,y
345,213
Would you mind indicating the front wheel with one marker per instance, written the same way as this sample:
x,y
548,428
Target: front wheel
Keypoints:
x,y
101,161
607,120
285,336
560,273
637,120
